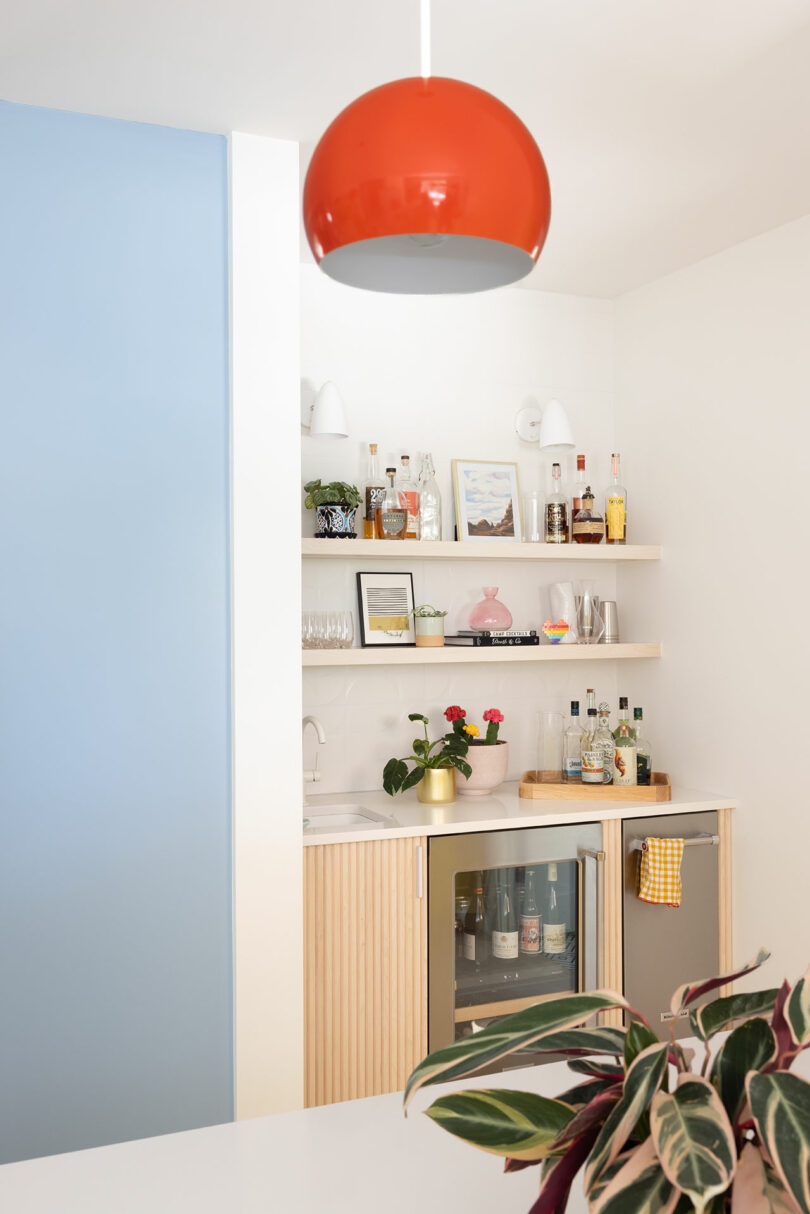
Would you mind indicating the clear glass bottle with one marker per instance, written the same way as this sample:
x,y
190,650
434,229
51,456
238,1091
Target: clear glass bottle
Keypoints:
x,y
643,753
624,756
572,748
624,718
373,494
475,941
616,508
554,926
603,740
391,518
530,916
409,498
578,488
587,527
430,501
505,935
593,763
556,514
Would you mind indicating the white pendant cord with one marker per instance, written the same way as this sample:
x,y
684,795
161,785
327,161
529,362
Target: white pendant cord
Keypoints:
x,y
424,29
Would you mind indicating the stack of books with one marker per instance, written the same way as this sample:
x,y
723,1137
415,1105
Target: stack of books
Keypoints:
x,y
512,636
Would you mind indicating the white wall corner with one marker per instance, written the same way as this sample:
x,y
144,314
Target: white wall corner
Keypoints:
x,y
266,621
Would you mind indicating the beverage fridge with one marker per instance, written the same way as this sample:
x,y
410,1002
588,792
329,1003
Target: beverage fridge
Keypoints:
x,y
514,916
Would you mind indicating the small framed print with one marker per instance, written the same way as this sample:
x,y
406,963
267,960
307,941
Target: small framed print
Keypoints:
x,y
386,603
487,497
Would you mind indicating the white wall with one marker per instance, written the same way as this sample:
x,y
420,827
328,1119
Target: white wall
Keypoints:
x,y
447,375
713,385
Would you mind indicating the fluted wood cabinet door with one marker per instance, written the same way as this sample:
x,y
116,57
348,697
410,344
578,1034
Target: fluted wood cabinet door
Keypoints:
x,y
365,967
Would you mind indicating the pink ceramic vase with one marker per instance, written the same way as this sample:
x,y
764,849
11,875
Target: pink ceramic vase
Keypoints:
x,y
489,766
490,615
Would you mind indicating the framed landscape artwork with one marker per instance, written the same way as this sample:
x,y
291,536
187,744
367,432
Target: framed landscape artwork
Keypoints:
x,y
487,496
386,603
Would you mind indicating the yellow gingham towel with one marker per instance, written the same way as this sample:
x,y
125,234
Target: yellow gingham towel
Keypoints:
x,y
660,871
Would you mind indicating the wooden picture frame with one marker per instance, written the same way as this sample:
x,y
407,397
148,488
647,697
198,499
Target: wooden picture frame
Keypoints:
x,y
385,602
487,501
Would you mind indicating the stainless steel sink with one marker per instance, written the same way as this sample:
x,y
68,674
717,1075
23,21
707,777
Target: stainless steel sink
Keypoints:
x,y
341,817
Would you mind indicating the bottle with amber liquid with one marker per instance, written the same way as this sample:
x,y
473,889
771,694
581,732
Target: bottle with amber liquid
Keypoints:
x,y
588,527
579,487
616,512
409,498
373,494
391,516
556,519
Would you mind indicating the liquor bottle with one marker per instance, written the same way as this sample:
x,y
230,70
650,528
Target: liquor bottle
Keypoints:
x,y
373,494
624,756
529,916
391,518
624,718
505,935
409,499
430,502
616,512
556,524
572,748
587,526
476,941
643,755
603,740
593,763
554,926
578,488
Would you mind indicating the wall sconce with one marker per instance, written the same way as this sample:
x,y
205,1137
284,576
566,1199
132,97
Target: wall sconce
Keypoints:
x,y
550,426
327,414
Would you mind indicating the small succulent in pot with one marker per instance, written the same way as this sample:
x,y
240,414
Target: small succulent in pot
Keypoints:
x,y
335,506
448,760
428,625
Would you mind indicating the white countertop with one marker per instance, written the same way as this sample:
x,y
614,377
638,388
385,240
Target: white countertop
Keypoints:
x,y
505,810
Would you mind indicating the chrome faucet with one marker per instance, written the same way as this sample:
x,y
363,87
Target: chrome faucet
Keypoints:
x,y
313,775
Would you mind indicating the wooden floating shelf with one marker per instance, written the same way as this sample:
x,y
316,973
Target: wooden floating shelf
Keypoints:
x,y
483,550
454,655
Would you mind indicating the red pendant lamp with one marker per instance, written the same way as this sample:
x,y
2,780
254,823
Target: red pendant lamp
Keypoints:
x,y
426,186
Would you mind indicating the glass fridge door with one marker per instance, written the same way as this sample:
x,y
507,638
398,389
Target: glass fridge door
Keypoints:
x,y
512,920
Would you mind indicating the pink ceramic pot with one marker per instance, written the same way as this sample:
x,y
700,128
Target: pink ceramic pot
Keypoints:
x,y
489,765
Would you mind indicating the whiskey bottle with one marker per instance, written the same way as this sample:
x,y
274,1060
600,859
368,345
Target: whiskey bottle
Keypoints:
x,y
556,517
373,494
391,517
643,755
616,512
579,487
409,499
587,527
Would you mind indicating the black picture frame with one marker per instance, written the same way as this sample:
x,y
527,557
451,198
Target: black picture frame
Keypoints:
x,y
370,636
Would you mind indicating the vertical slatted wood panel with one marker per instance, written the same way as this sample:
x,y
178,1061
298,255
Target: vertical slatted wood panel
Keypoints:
x,y
612,918
726,959
365,968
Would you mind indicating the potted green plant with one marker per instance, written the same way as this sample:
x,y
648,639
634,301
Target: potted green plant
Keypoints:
x,y
435,774
428,624
731,1139
335,506
488,756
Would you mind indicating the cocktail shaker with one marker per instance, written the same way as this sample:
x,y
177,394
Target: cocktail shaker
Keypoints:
x,y
611,619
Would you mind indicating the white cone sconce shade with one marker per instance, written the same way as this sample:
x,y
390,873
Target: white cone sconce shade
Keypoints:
x,y
328,414
550,426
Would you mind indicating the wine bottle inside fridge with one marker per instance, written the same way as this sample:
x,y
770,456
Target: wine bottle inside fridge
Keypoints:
x,y
476,939
505,935
554,925
530,916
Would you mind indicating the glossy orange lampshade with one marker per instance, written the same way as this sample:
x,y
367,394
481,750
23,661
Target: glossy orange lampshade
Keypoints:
x,y
427,186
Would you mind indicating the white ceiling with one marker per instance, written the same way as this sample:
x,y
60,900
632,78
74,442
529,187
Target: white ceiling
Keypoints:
x,y
670,130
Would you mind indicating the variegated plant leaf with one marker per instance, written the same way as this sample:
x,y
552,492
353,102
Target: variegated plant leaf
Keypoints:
x,y
638,1037
596,1067
582,1042
750,1047
720,1014
519,1125
583,1093
780,1106
690,992
797,1010
643,1079
756,1189
593,1114
558,1174
507,1036
693,1139
638,1186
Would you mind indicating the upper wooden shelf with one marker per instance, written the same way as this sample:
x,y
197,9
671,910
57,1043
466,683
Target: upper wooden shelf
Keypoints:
x,y
481,550
407,655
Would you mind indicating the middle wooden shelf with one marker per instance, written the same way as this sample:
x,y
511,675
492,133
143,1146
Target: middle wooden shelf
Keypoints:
x,y
455,655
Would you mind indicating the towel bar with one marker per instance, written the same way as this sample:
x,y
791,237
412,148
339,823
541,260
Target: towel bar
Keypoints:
x,y
698,841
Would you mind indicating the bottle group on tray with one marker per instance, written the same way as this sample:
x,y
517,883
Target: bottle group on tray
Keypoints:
x,y
592,754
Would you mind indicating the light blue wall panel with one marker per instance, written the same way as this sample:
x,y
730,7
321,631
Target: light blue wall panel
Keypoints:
x,y
115,897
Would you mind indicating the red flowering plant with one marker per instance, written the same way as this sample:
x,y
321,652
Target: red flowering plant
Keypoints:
x,y
471,733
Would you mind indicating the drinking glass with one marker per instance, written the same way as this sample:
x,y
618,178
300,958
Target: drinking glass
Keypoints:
x,y
549,746
345,630
532,517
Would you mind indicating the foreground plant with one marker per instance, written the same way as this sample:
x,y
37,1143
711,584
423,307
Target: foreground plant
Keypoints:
x,y
654,1138
452,749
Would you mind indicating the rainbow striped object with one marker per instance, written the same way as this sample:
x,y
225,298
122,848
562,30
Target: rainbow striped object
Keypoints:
x,y
555,632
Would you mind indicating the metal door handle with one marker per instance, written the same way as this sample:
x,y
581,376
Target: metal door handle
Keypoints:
x,y
697,841
586,853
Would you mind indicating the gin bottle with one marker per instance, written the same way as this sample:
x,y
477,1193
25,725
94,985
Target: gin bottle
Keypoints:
x,y
572,748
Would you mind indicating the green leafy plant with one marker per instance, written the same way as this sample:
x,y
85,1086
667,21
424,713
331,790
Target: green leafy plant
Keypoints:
x,y
732,1139
336,493
396,775
426,612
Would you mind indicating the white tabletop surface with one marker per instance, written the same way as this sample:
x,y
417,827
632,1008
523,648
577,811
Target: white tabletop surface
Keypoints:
x,y
504,810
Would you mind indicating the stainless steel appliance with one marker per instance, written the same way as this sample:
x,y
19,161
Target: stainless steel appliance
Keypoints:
x,y
664,946
563,863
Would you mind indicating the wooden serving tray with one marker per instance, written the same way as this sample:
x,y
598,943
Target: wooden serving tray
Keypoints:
x,y
545,785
